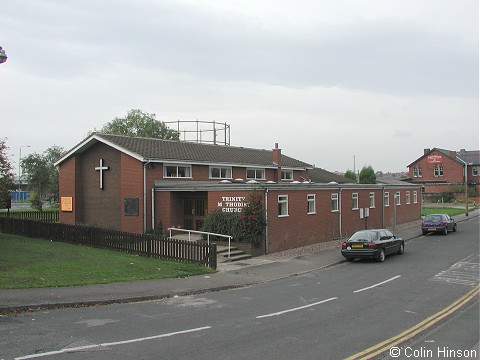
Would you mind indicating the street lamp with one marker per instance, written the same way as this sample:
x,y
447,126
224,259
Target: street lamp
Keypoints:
x,y
3,56
20,170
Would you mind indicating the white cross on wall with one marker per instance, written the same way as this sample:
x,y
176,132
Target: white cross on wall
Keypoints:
x,y
101,168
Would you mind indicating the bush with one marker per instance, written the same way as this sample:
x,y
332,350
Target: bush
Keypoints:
x,y
247,226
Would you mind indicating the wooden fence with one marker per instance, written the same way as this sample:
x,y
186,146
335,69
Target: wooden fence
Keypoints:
x,y
145,245
46,215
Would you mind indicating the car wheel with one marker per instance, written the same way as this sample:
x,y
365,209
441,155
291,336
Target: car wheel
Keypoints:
x,y
381,256
445,232
349,259
424,232
401,250
455,228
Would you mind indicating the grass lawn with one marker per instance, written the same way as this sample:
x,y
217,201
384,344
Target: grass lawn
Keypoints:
x,y
449,211
30,263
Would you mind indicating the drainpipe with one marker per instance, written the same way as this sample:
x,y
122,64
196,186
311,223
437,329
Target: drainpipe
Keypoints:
x,y
153,208
383,206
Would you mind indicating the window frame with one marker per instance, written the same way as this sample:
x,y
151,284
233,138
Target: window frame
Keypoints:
x,y
386,198
407,197
438,171
187,167
397,198
372,200
220,168
282,206
262,170
311,199
354,201
334,200
415,197
284,172
475,170
417,172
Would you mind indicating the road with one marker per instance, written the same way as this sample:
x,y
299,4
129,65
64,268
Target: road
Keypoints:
x,y
340,312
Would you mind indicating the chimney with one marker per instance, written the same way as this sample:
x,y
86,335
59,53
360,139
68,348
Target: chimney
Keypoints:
x,y
277,160
426,151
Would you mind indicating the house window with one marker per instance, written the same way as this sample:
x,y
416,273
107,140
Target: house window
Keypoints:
x,y
334,202
417,171
355,201
372,199
256,174
311,206
407,197
386,199
397,198
282,205
177,171
217,172
476,170
415,199
287,174
438,170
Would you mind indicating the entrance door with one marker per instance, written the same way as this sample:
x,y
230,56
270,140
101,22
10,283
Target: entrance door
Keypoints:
x,y
194,213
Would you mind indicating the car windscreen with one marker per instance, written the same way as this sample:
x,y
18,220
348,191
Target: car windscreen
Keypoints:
x,y
364,236
433,218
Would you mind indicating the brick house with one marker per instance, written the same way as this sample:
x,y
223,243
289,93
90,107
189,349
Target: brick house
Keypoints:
x,y
139,184
443,171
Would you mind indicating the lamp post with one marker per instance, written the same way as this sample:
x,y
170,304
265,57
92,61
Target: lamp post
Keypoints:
x,y
20,170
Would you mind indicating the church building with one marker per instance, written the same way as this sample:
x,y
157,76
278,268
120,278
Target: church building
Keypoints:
x,y
139,184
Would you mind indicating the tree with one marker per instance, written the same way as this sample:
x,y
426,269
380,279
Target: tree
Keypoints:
x,y
139,123
42,175
349,174
367,175
6,174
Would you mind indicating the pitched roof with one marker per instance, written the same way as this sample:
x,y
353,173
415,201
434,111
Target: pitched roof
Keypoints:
x,y
145,149
470,157
318,175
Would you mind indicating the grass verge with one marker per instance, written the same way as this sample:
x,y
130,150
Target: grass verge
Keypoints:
x,y
32,263
449,211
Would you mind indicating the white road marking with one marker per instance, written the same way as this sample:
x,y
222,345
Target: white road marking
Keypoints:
x,y
464,272
116,343
296,309
380,283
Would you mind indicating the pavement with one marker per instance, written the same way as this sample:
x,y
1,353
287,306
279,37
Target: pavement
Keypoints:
x,y
229,275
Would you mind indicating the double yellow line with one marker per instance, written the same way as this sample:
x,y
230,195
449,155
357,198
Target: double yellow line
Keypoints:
x,y
408,334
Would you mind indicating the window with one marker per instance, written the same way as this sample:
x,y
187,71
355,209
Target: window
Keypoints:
x,y
386,199
438,170
407,197
417,171
287,174
257,174
282,205
311,206
415,199
334,202
397,198
372,199
476,170
355,201
177,171
217,172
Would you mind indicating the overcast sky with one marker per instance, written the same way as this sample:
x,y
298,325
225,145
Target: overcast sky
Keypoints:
x,y
328,80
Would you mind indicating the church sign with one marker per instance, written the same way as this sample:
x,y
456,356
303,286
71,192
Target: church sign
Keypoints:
x,y
232,203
